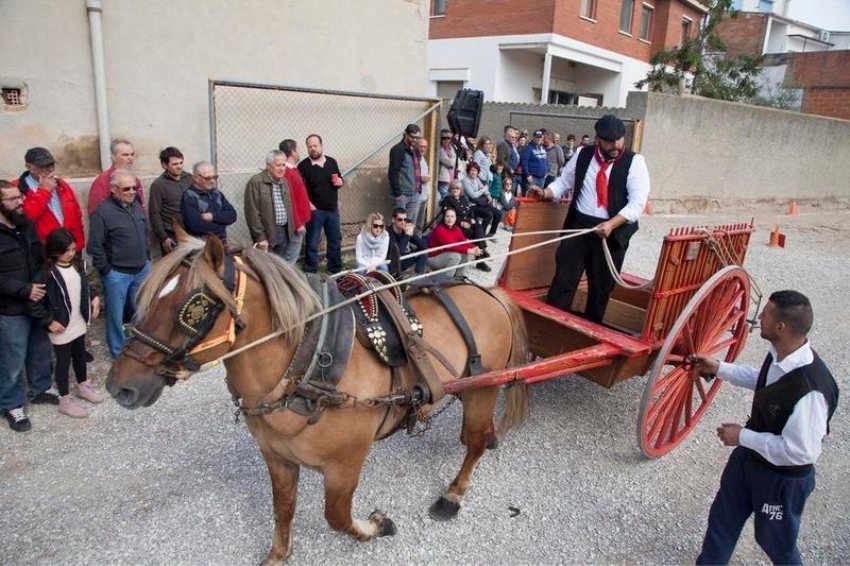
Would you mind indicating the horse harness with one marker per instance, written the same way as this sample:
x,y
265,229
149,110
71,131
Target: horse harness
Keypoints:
x,y
195,318
381,320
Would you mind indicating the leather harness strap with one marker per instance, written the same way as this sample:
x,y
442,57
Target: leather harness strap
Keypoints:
x,y
473,364
418,356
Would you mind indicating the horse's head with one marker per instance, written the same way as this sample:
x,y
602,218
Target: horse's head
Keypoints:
x,y
190,308
187,298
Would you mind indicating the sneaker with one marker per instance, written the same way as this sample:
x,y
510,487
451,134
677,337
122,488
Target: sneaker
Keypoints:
x,y
482,266
68,406
49,397
18,420
87,392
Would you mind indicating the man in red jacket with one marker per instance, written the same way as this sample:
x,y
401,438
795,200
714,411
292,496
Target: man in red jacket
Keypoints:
x,y
48,200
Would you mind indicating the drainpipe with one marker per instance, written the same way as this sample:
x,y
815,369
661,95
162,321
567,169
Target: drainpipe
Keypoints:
x,y
94,9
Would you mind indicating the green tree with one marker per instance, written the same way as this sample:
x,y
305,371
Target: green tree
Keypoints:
x,y
703,58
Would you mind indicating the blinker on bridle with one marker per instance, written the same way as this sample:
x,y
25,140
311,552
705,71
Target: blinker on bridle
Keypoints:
x,y
195,318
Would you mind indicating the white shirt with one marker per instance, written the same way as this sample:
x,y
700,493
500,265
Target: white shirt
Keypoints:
x,y
76,324
637,186
800,441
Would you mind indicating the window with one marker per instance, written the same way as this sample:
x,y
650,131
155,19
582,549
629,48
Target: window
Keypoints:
x,y
561,97
588,9
646,21
686,29
626,14
766,6
438,7
11,96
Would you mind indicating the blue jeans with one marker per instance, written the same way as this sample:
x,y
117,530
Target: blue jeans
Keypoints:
x,y
119,289
288,249
14,337
38,364
329,221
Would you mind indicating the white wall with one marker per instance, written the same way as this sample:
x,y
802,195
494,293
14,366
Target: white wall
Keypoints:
x,y
510,74
161,53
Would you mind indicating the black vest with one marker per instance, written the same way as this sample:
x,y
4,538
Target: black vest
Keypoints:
x,y
618,195
773,404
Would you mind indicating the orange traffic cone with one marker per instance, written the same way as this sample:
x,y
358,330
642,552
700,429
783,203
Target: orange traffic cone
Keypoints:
x,y
792,210
777,238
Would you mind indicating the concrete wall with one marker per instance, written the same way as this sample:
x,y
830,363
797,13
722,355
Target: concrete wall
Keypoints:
x,y
703,153
161,53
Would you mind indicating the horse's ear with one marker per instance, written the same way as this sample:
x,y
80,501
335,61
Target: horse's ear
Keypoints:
x,y
214,254
179,231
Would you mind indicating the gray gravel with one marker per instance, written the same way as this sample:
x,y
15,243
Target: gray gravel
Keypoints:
x,y
180,483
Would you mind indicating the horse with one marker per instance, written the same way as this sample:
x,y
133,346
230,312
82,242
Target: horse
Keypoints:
x,y
258,327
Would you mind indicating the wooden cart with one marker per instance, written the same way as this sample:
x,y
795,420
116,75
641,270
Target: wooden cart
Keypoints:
x,y
697,303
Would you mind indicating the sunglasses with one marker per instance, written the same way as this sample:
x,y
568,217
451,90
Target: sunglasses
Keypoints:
x,y
378,226
127,189
446,138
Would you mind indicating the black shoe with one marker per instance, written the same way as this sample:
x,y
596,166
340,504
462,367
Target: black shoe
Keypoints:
x,y
485,254
49,397
18,420
89,357
482,266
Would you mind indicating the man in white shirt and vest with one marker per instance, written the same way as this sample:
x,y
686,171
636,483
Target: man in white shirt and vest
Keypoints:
x,y
609,186
771,472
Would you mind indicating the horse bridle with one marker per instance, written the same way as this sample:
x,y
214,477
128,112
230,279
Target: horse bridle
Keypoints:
x,y
195,318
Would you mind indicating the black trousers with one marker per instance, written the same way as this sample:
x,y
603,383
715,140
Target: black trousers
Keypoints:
x,y
73,352
585,254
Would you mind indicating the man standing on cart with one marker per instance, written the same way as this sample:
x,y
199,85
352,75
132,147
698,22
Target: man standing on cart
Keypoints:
x,y
609,186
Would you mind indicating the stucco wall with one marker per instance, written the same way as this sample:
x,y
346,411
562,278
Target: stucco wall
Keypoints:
x,y
161,53
706,152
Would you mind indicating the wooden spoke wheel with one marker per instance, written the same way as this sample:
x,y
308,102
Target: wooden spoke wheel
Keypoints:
x,y
714,322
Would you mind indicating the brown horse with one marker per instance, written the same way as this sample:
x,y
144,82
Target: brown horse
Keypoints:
x,y
275,297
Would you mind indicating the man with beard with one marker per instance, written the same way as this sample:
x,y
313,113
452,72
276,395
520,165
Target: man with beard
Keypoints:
x,y
405,171
609,185
22,288
771,471
323,179
165,195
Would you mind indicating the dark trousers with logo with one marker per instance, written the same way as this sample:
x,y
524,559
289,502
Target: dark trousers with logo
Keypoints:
x,y
585,254
749,487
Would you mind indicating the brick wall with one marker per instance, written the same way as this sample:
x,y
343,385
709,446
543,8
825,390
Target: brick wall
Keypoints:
x,y
744,33
825,80
479,18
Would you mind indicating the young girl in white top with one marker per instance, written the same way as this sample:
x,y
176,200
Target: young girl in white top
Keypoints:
x,y
372,244
72,307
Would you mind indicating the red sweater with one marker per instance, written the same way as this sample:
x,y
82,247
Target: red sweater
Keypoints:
x,y
443,235
300,200
36,207
100,191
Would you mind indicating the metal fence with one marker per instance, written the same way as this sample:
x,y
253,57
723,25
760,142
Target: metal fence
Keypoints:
x,y
247,120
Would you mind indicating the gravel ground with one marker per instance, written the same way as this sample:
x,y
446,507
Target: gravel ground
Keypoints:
x,y
180,483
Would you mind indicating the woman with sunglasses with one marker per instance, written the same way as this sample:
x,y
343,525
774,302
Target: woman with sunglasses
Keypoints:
x,y
448,160
372,245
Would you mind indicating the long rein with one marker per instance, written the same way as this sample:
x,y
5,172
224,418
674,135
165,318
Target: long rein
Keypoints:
x,y
562,235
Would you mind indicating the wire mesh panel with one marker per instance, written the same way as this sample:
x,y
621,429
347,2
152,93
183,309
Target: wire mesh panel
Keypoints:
x,y
358,129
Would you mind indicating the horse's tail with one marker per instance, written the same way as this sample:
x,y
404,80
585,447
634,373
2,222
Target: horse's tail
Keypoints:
x,y
516,394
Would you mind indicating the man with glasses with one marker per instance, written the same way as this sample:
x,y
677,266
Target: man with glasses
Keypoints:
x,y
204,208
21,290
508,156
405,171
610,186
405,241
118,246
123,157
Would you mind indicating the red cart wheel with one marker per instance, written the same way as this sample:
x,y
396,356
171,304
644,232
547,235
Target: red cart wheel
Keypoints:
x,y
714,322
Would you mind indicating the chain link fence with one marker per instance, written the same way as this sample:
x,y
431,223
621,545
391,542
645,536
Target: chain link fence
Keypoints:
x,y
247,120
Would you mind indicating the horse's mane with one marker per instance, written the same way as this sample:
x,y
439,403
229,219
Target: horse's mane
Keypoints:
x,y
291,299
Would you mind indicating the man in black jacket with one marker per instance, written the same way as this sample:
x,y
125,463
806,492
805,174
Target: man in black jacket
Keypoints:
x,y
118,246
22,289
609,187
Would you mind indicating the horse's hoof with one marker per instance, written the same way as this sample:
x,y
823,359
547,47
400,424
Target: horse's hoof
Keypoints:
x,y
443,510
386,526
494,443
